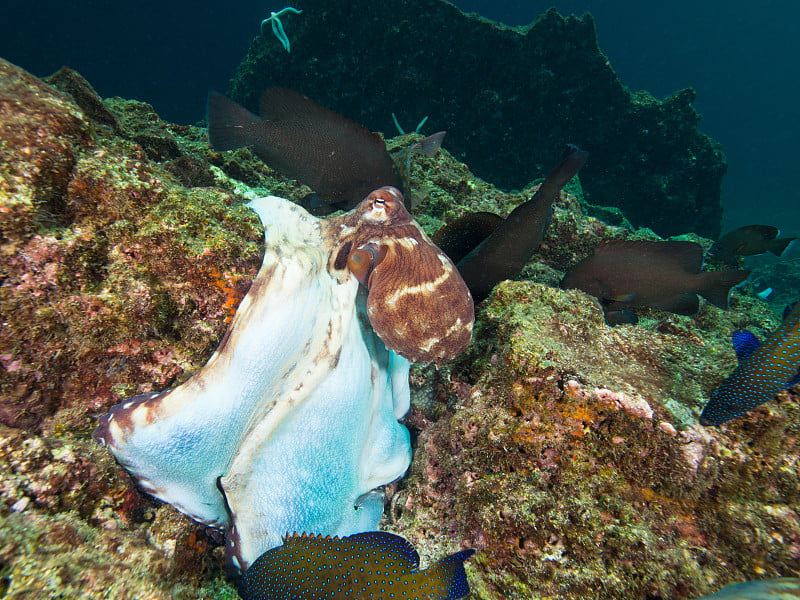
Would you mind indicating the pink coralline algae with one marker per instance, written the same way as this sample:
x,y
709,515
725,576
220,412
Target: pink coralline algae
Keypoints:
x,y
110,283
636,406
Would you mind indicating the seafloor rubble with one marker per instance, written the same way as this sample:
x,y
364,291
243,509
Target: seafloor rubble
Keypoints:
x,y
509,98
566,451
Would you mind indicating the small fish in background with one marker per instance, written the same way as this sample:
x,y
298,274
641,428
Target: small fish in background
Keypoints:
x,y
749,241
428,146
375,564
339,159
664,275
493,250
780,588
763,371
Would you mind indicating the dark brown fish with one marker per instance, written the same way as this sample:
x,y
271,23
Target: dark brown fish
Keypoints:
x,y
748,241
339,159
661,275
458,238
510,245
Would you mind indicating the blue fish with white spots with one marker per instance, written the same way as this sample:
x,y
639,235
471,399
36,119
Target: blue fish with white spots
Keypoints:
x,y
375,564
763,371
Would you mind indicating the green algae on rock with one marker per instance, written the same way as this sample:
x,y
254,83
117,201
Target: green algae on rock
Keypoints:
x,y
571,454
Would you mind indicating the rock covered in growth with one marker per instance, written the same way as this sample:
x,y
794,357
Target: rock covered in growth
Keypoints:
x,y
71,526
568,452
115,277
116,280
509,98
42,133
571,453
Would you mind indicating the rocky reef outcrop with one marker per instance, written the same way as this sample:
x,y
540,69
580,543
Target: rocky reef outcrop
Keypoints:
x,y
572,456
509,98
567,452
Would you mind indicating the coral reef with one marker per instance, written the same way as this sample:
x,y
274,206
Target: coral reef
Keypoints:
x,y
115,279
115,276
572,455
509,98
567,452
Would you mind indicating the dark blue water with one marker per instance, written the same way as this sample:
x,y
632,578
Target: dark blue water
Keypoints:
x,y
741,57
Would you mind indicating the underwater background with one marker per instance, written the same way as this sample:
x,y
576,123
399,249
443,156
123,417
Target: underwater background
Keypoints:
x,y
740,59
625,421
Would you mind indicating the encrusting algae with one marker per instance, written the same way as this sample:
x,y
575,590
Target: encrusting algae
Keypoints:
x,y
566,452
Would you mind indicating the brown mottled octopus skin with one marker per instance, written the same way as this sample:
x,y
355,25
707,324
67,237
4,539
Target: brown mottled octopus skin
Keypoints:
x,y
418,303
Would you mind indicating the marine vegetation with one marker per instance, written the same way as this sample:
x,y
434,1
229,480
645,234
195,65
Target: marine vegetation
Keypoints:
x,y
763,371
365,565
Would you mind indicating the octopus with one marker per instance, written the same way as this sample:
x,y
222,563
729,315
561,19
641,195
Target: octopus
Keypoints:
x,y
293,423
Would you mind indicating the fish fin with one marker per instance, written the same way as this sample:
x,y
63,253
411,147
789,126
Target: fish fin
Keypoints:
x,y
789,308
689,255
460,237
431,144
316,205
744,343
765,293
451,570
778,247
388,544
230,125
680,304
571,162
793,381
716,285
